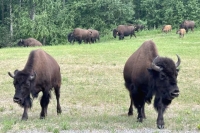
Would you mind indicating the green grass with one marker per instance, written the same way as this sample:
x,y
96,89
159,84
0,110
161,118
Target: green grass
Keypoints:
x,y
93,95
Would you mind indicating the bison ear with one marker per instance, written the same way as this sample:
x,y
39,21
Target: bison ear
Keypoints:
x,y
32,76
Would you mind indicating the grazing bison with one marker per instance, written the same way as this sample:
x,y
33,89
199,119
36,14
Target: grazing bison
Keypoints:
x,y
146,74
181,32
81,34
41,73
94,36
139,27
70,37
29,42
167,28
187,24
124,30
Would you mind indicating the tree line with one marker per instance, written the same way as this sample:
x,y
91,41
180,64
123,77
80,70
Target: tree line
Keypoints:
x,y
51,20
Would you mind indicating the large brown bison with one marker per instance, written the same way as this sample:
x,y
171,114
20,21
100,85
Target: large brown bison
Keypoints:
x,y
167,28
81,35
41,73
147,74
29,42
94,36
181,32
124,30
187,24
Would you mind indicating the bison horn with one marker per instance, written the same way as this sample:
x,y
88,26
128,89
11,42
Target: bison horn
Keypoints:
x,y
155,67
179,61
11,75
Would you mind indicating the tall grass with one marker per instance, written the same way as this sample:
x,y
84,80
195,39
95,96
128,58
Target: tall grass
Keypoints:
x,y
93,95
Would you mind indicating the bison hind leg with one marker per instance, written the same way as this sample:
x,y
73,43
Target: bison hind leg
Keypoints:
x,y
131,88
57,93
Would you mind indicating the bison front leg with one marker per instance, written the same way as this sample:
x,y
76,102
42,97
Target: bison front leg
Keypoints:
x,y
44,104
160,108
27,104
25,114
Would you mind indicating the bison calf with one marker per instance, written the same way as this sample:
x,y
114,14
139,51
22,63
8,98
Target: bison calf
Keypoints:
x,y
181,32
41,73
29,42
146,74
167,28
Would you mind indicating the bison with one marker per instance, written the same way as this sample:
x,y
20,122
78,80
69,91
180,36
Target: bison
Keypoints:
x,y
187,24
41,73
167,28
147,74
139,27
29,42
181,32
124,30
70,37
94,36
81,35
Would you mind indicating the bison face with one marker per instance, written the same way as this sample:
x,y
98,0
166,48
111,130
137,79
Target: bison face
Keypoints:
x,y
115,33
166,85
20,43
165,72
23,84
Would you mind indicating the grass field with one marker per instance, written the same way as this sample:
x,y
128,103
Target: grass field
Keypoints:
x,y
93,96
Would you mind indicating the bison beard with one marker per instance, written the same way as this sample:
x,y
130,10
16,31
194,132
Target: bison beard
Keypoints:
x,y
41,73
147,75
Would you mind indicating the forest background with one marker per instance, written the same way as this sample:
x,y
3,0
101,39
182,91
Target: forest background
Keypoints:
x,y
50,21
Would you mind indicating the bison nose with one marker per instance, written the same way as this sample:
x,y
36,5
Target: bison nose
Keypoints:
x,y
17,100
175,93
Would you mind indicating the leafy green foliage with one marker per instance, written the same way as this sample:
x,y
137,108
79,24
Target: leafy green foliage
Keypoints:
x,y
50,21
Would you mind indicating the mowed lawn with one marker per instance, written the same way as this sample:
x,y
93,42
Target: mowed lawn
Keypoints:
x,y
93,96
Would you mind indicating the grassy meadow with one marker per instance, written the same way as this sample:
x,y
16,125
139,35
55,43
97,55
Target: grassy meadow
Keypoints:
x,y
93,96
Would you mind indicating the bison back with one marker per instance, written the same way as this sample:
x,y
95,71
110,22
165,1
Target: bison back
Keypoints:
x,y
46,68
32,42
135,69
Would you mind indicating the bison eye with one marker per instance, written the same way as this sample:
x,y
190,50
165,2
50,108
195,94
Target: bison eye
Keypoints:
x,y
162,76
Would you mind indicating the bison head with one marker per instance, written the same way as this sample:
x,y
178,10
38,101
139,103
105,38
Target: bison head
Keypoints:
x,y
165,72
23,83
115,32
21,42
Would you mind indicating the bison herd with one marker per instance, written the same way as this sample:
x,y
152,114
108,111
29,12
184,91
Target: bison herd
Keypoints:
x,y
146,74
91,35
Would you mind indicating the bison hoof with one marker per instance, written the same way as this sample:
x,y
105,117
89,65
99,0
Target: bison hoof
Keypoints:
x,y
130,113
160,126
24,119
42,117
140,120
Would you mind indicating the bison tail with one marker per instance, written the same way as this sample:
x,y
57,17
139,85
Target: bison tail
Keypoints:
x,y
131,87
